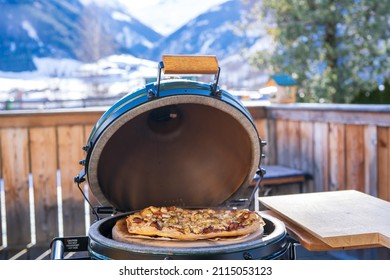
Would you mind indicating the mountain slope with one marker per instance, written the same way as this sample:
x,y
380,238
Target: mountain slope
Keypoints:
x,y
29,29
89,30
223,31
66,29
217,31
124,32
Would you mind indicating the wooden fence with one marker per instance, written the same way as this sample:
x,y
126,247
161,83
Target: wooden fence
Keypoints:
x,y
39,155
342,147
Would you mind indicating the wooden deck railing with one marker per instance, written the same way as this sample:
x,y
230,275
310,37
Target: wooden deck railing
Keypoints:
x,y
39,154
342,147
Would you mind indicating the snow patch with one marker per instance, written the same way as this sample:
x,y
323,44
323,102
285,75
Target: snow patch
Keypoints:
x,y
121,16
100,3
129,38
32,33
202,23
52,67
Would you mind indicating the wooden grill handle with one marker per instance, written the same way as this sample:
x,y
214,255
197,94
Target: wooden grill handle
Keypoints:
x,y
190,64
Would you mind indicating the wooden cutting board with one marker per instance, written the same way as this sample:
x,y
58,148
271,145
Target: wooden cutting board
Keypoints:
x,y
341,219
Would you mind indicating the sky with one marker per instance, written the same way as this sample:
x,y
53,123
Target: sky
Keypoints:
x,y
166,16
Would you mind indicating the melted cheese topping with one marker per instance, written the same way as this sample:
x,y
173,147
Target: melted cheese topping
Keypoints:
x,y
191,221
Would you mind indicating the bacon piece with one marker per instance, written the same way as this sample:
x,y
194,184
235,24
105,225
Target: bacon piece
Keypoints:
x,y
208,229
233,226
137,220
156,225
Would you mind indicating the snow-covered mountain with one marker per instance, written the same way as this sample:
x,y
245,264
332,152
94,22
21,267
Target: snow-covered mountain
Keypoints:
x,y
126,33
73,29
223,31
86,31
219,31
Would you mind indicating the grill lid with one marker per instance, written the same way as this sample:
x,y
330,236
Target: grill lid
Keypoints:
x,y
184,146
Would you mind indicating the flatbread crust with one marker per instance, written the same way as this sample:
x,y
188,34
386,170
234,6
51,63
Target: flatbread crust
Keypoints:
x,y
193,224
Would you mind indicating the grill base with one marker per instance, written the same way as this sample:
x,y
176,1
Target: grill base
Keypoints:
x,y
274,244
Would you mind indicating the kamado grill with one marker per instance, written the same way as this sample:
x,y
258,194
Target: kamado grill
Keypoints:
x,y
175,142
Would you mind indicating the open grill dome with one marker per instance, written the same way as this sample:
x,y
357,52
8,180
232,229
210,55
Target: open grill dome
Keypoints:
x,y
179,150
176,142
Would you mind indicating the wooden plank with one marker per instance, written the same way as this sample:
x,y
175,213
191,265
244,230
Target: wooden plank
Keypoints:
x,y
341,219
281,174
49,118
70,142
283,180
305,238
345,114
337,149
307,152
15,152
387,188
271,149
44,169
261,126
282,147
257,112
321,157
354,137
383,148
294,147
370,160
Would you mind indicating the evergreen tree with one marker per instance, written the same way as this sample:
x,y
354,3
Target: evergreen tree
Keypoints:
x,y
334,49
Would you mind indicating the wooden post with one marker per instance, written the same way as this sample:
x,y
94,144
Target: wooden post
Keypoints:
x,y
354,157
294,138
44,169
370,160
337,142
282,142
383,163
70,142
15,153
321,157
307,151
271,148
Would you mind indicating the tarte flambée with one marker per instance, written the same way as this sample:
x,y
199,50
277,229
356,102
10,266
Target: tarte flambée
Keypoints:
x,y
193,224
